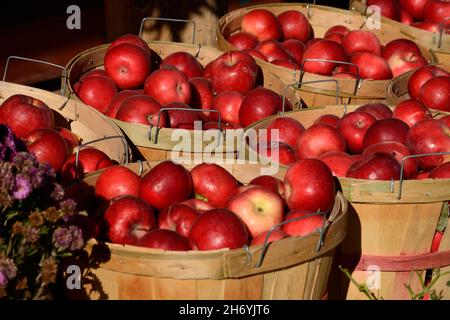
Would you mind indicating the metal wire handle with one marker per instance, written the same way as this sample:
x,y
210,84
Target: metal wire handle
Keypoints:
x,y
402,166
158,121
266,243
63,74
141,28
125,143
442,30
308,9
359,79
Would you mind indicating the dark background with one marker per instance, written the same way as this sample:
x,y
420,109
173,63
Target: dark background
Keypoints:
x,y
37,29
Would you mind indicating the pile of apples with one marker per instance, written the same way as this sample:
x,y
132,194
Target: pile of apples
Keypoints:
x,y
430,85
32,121
207,208
288,39
134,89
368,143
428,15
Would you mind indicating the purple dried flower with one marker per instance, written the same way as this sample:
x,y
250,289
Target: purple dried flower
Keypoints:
x,y
22,188
69,209
8,268
68,238
3,280
31,235
9,144
58,193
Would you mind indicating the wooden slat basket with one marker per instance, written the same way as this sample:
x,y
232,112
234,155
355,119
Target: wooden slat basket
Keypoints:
x,y
397,90
351,91
165,144
87,123
291,268
438,43
388,232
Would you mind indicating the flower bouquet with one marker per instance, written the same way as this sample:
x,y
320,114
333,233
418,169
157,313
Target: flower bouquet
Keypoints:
x,y
37,228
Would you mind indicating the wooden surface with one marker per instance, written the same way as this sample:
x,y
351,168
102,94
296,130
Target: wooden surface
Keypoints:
x,y
321,18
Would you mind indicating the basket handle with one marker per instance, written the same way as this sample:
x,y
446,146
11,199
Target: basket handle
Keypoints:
x,y
298,85
402,167
308,8
141,28
158,121
77,152
340,205
358,82
442,30
63,74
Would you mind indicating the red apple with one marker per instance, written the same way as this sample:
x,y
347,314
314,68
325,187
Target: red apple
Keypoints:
x,y
228,104
213,184
390,129
441,172
243,40
128,65
168,85
128,219
178,217
434,27
278,152
275,235
437,11
165,240
399,46
97,92
406,18
378,110
218,229
429,136
132,39
256,54
89,160
269,182
198,205
289,130
338,162
23,114
376,166
165,184
223,126
399,151
71,138
181,118
402,62
111,110
421,76
353,127
307,223
323,49
93,73
336,37
435,93
234,71
337,29
309,185
184,62
272,50
258,207
445,120
388,8
117,181
295,49
262,24
329,119
258,104
295,25
48,146
420,175
359,41
141,109
370,66
414,7
317,140
290,64
201,93
411,111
